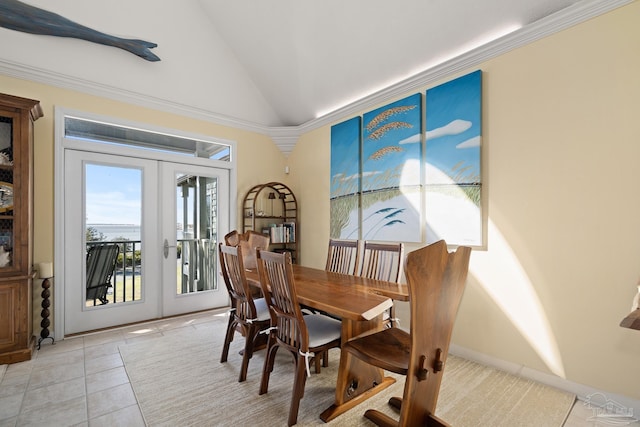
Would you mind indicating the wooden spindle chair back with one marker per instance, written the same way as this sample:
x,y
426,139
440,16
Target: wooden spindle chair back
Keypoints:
x,y
343,256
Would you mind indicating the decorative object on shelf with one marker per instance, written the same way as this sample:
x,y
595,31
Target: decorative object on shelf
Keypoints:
x,y
5,257
5,160
19,16
272,197
280,223
45,270
6,196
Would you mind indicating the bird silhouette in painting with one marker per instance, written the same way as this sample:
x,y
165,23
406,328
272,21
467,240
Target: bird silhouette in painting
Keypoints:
x,y
18,16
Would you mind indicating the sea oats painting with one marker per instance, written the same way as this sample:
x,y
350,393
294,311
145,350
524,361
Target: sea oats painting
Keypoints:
x,y
345,179
453,178
391,159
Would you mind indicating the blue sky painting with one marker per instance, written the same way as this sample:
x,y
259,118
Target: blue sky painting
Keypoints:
x,y
345,179
453,177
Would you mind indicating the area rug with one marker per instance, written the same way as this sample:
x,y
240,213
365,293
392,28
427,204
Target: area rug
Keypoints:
x,y
178,380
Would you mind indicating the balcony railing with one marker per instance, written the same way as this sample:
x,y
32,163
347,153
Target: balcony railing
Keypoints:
x,y
196,264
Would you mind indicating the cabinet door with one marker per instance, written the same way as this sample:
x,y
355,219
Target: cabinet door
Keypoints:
x,y
8,129
8,307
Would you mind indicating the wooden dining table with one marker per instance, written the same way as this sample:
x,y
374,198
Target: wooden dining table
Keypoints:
x,y
360,303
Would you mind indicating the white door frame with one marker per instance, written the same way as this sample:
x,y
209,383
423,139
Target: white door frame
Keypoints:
x,y
62,143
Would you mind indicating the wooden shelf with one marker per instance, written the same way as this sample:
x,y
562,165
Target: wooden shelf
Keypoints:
x,y
260,212
16,228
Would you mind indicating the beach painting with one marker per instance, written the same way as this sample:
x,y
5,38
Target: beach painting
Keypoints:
x,y
345,179
452,171
391,172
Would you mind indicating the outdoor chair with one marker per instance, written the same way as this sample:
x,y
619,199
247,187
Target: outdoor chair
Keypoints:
x,y
305,337
250,316
101,262
383,261
436,281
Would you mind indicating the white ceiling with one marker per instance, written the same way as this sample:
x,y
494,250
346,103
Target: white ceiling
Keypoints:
x,y
271,64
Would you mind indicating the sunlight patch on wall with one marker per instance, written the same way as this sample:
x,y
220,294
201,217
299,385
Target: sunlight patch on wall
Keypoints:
x,y
501,275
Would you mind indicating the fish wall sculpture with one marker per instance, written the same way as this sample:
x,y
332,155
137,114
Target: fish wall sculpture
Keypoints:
x,y
16,15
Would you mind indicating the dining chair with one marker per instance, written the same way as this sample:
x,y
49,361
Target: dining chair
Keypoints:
x,y
436,281
383,261
343,256
250,240
248,315
305,337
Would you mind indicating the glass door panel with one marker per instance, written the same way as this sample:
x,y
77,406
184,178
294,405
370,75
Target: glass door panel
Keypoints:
x,y
196,212
113,206
193,221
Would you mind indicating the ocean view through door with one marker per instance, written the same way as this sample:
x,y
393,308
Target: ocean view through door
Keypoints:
x,y
162,219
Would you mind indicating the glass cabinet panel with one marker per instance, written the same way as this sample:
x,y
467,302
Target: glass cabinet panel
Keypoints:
x,y
6,191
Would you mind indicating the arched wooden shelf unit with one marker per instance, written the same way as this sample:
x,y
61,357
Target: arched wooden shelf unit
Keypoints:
x,y
272,209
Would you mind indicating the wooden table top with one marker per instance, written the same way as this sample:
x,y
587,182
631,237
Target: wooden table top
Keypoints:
x,y
343,295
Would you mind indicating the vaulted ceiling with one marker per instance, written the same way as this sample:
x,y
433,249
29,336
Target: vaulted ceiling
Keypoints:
x,y
280,64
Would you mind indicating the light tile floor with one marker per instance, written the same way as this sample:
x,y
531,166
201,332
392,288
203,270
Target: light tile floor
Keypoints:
x,y
81,381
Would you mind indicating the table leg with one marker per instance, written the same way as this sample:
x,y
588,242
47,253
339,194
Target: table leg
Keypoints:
x,y
357,381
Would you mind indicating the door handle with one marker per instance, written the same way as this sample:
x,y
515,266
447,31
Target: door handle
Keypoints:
x,y
165,248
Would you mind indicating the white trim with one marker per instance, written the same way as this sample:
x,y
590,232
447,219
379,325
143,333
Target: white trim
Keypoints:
x,y
581,391
286,137
60,144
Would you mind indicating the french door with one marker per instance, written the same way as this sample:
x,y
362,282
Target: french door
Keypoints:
x,y
166,219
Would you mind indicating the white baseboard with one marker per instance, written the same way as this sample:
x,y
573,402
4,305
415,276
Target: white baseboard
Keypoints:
x,y
582,392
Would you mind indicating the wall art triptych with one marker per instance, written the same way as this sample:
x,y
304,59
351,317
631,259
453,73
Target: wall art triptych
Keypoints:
x,y
390,181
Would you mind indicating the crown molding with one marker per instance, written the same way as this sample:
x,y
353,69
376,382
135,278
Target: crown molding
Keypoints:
x,y
64,81
544,27
286,137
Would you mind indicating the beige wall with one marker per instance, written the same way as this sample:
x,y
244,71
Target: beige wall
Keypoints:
x,y
561,143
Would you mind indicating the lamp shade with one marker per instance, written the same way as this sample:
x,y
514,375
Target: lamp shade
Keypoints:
x,y
45,270
272,196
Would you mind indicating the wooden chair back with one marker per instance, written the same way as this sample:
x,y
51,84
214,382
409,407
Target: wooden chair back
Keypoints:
x,y
436,280
250,241
343,256
232,238
382,261
233,273
278,287
101,263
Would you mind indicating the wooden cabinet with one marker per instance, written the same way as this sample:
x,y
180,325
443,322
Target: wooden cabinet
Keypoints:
x,y
272,209
16,227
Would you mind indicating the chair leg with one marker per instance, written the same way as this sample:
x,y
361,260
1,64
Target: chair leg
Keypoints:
x,y
231,329
396,402
380,419
317,359
272,349
298,389
325,359
250,336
